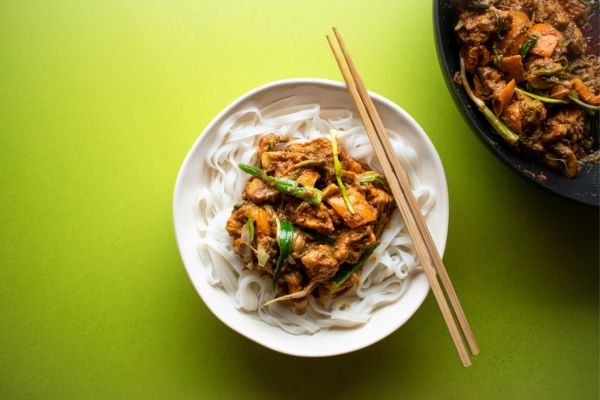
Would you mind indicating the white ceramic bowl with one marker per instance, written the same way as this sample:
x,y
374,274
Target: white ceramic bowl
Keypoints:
x,y
385,320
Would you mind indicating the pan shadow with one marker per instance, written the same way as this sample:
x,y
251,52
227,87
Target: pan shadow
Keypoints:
x,y
562,242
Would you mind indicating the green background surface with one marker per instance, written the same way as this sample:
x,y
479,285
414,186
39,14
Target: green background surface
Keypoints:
x,y
99,103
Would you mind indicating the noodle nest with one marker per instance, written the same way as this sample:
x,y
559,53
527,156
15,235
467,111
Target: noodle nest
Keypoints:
x,y
384,278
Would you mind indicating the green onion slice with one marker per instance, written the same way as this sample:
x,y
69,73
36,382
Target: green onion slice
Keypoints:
x,y
504,131
285,239
346,270
590,109
310,194
338,170
374,177
528,45
321,237
250,223
540,98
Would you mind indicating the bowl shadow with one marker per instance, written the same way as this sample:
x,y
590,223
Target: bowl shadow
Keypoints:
x,y
342,376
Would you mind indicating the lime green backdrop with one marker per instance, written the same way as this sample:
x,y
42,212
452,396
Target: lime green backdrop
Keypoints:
x,y
99,103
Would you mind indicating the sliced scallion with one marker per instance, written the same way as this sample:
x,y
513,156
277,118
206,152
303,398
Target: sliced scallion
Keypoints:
x,y
590,109
321,237
541,98
310,194
504,131
262,257
346,270
338,170
528,45
250,223
372,176
285,239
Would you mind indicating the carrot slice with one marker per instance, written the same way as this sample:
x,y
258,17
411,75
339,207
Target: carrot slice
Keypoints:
x,y
513,67
585,93
308,177
363,211
511,44
263,226
503,97
547,39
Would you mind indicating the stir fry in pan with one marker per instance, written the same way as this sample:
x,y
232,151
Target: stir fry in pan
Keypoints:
x,y
526,65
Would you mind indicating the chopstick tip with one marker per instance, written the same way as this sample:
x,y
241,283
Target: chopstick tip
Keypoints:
x,y
337,34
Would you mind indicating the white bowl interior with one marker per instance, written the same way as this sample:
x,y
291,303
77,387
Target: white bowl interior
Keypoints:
x,y
385,320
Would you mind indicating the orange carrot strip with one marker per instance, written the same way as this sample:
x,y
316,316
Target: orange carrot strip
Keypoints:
x,y
511,44
308,177
503,97
513,68
584,93
263,226
547,39
363,211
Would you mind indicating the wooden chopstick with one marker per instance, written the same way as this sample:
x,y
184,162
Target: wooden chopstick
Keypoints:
x,y
405,184
404,199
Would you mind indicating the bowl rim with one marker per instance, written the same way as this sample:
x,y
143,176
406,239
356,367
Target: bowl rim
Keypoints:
x,y
441,193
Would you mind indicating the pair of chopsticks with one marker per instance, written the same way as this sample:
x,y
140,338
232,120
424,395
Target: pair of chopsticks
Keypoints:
x,y
400,186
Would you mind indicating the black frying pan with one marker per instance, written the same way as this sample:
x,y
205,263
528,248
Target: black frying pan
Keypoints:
x,y
585,188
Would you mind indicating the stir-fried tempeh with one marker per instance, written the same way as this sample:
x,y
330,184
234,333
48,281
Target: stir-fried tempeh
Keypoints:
x,y
311,216
531,76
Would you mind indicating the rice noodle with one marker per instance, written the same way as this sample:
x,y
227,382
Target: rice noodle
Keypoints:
x,y
384,278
